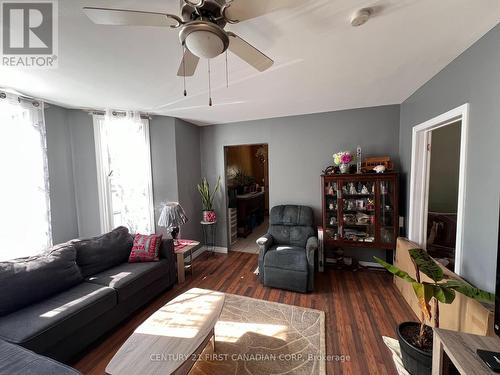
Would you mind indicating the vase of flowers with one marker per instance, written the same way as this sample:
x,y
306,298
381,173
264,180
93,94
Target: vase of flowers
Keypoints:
x,y
343,159
207,199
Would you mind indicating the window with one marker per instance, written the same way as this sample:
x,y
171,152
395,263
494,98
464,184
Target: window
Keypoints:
x,y
124,172
24,189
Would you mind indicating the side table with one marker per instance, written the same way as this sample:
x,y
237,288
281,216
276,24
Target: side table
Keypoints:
x,y
460,348
181,264
209,235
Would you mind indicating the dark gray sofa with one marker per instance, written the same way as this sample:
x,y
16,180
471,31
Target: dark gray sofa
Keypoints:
x,y
58,303
15,360
287,251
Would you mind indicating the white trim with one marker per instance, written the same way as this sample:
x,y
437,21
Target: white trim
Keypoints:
x,y
102,185
150,175
202,249
419,178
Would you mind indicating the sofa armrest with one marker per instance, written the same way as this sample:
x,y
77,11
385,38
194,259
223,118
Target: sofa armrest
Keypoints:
x,y
311,249
167,252
167,249
265,242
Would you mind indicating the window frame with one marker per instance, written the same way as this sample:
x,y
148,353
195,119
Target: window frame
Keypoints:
x,y
103,172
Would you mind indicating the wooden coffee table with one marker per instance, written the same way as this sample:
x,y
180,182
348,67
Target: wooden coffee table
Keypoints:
x,y
169,340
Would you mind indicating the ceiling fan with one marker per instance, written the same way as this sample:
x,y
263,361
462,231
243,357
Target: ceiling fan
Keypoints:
x,y
201,28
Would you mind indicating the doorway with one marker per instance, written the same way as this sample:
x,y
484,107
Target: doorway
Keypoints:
x,y
247,192
437,186
442,203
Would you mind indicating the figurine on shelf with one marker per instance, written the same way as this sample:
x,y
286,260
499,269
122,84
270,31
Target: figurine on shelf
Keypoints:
x,y
362,218
352,189
333,220
351,205
331,206
364,190
330,189
370,204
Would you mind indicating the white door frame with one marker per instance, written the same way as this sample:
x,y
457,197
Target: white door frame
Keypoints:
x,y
419,180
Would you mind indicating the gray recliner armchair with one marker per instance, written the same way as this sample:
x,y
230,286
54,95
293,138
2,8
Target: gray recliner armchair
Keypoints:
x,y
287,251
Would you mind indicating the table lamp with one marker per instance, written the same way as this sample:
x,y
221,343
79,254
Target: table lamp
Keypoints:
x,y
172,216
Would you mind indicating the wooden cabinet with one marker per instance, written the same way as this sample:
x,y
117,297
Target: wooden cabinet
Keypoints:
x,y
250,212
360,210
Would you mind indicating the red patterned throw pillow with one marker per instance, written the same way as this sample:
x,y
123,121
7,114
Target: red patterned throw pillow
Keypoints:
x,y
146,248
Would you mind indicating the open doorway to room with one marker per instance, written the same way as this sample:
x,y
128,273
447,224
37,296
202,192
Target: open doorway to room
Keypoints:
x,y
247,189
437,186
442,204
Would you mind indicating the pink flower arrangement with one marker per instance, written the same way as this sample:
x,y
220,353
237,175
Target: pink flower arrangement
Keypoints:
x,y
343,157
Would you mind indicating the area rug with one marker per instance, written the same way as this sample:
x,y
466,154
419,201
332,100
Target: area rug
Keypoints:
x,y
393,346
256,337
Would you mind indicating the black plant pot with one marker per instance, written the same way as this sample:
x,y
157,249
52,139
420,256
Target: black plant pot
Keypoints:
x,y
415,360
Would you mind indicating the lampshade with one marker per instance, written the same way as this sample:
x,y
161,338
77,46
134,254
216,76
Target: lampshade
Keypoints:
x,y
172,216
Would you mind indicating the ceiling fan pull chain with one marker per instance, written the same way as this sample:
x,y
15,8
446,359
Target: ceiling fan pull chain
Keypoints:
x,y
227,73
209,85
184,67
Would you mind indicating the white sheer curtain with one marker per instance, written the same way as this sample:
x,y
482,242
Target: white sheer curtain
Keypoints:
x,y
124,169
24,188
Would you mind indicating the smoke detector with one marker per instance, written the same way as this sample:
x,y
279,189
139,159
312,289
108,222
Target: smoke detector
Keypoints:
x,y
361,16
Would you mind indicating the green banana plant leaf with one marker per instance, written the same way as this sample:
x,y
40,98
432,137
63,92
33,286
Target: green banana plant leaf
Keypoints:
x,y
469,290
426,264
442,293
395,271
424,294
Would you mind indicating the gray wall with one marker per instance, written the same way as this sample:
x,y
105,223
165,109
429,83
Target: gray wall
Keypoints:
x,y
73,172
62,188
187,140
444,169
300,147
85,172
163,163
474,77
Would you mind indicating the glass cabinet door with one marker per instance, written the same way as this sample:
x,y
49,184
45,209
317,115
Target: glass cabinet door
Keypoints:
x,y
358,211
386,203
331,209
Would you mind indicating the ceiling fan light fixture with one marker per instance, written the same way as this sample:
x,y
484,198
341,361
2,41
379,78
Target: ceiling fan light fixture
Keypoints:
x,y
204,44
204,39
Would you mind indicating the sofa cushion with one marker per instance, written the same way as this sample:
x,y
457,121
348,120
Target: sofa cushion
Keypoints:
x,y
291,235
15,360
291,215
97,254
41,325
146,248
29,280
286,257
130,278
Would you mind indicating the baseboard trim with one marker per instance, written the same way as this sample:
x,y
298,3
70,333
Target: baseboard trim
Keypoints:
x,y
202,249
370,264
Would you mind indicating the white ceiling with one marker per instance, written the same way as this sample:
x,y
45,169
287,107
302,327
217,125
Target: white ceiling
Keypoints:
x,y
321,62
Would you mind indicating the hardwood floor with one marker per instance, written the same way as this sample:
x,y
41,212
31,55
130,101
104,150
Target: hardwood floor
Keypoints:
x,y
360,307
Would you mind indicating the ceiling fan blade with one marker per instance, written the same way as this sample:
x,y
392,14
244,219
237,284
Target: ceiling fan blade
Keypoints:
x,y
241,10
188,65
125,17
248,53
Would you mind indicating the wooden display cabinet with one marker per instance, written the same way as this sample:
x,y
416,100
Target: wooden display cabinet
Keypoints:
x,y
360,210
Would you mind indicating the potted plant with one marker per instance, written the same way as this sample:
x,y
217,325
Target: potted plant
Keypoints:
x,y
207,199
343,159
415,338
